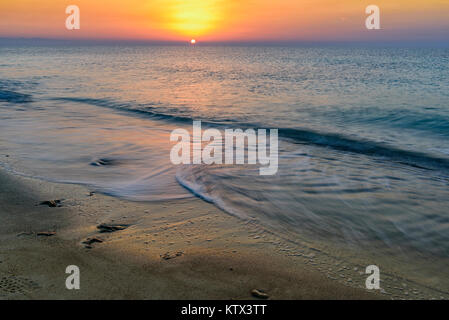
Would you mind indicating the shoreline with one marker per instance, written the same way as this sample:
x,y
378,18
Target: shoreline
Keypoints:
x,y
179,249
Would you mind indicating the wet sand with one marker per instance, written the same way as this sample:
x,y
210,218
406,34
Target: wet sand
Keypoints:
x,y
183,249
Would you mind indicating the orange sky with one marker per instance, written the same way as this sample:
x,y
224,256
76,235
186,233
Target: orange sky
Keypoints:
x,y
227,20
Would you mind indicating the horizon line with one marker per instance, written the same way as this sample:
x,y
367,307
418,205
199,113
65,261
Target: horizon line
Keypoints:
x,y
86,41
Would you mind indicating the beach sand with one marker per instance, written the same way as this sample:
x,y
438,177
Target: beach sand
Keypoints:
x,y
183,249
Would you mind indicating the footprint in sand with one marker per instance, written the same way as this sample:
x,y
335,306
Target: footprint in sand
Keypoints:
x,y
10,285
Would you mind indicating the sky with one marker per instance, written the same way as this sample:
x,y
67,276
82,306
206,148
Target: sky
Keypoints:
x,y
228,20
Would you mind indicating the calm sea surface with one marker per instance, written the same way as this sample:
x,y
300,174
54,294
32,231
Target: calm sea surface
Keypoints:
x,y
364,136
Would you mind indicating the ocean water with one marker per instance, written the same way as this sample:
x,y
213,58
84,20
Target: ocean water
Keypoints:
x,y
364,136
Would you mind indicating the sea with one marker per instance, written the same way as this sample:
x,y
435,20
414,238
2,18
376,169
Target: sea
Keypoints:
x,y
363,136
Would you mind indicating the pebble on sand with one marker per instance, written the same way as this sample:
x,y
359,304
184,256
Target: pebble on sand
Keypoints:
x,y
51,203
89,241
168,256
111,227
259,294
46,233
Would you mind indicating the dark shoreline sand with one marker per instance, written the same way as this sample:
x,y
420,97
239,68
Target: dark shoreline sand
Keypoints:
x,y
221,258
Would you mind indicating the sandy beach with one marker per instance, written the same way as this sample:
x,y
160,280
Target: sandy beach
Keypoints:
x,y
183,249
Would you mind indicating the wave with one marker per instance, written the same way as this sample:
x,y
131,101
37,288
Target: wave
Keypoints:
x,y
148,109
296,135
433,120
199,190
366,147
14,97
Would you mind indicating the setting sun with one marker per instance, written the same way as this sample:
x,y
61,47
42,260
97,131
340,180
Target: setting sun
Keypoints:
x,y
195,17
193,41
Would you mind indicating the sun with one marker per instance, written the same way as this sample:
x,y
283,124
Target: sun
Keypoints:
x,y
193,41
193,17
